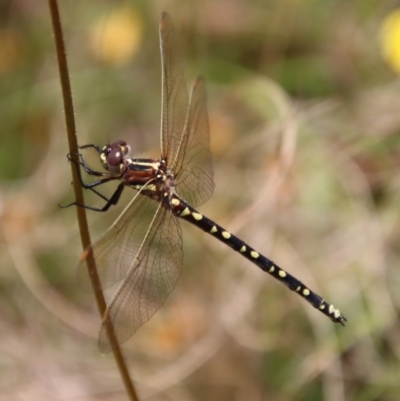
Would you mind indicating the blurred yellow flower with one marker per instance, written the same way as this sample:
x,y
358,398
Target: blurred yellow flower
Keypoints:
x,y
11,50
390,39
115,38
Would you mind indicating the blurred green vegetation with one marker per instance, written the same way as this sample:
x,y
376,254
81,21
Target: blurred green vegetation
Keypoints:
x,y
305,128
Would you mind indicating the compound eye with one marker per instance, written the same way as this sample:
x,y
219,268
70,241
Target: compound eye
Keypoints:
x,y
120,143
115,157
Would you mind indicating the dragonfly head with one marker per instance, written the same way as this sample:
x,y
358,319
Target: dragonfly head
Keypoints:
x,y
113,156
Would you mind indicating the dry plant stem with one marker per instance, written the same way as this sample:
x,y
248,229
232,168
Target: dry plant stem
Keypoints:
x,y
81,212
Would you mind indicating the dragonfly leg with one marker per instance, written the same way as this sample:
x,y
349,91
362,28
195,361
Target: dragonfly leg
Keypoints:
x,y
83,163
110,201
91,145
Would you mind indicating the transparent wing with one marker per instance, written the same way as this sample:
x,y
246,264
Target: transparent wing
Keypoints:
x,y
116,249
174,92
152,276
193,162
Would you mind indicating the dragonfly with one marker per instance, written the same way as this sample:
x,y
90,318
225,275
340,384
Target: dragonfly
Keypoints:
x,y
142,250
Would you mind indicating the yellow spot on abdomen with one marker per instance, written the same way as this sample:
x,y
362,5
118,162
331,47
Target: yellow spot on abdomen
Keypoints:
x,y
213,229
226,235
254,254
175,202
185,212
282,273
306,292
197,216
243,249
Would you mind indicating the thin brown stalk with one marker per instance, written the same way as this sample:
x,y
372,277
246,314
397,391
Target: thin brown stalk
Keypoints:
x,y
81,212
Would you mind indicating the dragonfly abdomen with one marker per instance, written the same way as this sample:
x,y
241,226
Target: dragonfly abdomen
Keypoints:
x,y
188,213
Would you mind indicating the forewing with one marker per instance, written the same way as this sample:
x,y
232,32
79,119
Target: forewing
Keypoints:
x,y
174,92
193,164
116,249
152,276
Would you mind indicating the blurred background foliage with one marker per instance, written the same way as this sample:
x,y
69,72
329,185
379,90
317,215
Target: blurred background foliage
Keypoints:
x,y
304,101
